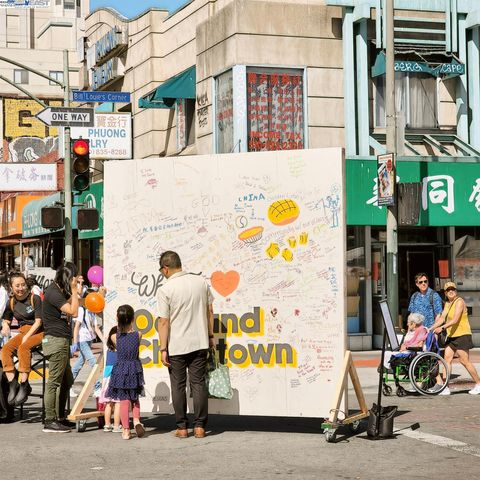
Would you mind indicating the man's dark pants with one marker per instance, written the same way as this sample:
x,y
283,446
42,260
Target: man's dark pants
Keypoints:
x,y
196,364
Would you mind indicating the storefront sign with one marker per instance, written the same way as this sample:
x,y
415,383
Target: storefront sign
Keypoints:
x,y
110,137
24,3
111,69
450,192
92,199
11,214
109,42
28,177
32,218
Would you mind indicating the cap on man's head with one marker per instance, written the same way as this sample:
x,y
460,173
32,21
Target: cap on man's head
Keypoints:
x,y
450,285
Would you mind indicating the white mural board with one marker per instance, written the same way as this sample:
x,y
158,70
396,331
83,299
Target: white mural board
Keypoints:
x,y
267,232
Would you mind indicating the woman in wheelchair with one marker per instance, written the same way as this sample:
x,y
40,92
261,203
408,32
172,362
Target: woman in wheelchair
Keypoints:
x,y
417,362
27,309
413,339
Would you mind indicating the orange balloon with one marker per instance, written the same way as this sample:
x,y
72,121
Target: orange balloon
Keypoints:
x,y
94,302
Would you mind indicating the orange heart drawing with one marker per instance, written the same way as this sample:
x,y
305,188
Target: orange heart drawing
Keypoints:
x,y
225,283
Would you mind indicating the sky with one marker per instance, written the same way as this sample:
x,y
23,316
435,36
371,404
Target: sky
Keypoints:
x,y
131,8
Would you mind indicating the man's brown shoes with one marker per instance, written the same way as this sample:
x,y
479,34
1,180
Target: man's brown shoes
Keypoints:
x,y
181,433
199,432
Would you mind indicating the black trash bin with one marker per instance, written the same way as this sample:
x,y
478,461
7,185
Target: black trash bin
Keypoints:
x,y
385,428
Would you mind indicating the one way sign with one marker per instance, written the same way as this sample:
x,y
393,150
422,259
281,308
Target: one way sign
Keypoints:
x,y
67,117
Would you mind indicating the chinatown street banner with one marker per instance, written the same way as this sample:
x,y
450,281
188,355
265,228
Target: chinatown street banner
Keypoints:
x,y
267,233
450,192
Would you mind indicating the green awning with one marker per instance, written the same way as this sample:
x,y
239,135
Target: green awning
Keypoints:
x,y
165,95
445,69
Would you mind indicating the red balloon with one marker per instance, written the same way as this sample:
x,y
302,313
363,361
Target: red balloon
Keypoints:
x,y
94,302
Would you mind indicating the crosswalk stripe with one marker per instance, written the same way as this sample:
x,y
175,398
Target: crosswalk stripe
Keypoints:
x,y
442,442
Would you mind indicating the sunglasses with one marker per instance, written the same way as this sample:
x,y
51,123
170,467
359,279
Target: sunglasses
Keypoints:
x,y
422,281
451,290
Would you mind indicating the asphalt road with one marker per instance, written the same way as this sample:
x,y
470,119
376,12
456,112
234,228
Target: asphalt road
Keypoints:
x,y
444,442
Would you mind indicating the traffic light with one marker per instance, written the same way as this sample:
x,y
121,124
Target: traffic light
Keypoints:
x,y
52,217
80,165
87,219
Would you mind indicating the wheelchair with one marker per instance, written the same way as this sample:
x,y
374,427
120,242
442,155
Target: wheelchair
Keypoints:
x,y
418,367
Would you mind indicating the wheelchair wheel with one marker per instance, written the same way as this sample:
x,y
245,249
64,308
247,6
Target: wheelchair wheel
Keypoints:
x,y
401,392
387,390
424,370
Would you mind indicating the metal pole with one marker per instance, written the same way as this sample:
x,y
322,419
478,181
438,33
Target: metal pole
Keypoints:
x,y
67,182
392,240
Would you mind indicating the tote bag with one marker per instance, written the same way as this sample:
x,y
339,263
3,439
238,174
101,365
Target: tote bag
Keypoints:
x,y
218,379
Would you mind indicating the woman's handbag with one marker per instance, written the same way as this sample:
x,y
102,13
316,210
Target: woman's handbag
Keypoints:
x,y
442,339
218,379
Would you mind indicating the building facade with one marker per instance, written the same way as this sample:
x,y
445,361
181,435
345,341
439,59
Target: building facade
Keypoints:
x,y
245,75
36,38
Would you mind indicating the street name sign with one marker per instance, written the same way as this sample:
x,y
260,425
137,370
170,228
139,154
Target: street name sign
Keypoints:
x,y
67,117
114,97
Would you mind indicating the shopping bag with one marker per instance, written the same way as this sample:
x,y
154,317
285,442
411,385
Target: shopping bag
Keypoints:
x,y
218,379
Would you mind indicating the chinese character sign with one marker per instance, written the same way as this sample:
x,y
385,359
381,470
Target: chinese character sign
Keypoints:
x,y
23,177
450,192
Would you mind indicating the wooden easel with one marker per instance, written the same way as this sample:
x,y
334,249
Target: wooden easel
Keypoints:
x,y
333,423
76,414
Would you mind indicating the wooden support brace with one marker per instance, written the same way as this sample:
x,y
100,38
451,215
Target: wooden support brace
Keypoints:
x,y
348,368
76,412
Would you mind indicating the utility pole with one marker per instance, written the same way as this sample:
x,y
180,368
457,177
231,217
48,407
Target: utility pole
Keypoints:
x,y
392,211
67,163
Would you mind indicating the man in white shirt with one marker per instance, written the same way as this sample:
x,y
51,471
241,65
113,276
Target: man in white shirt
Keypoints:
x,y
186,334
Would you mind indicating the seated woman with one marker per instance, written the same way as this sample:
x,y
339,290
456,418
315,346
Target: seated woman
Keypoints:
x,y
27,309
414,338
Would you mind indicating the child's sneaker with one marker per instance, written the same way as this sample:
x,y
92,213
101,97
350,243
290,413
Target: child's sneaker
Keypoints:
x,y
73,393
118,429
107,428
475,390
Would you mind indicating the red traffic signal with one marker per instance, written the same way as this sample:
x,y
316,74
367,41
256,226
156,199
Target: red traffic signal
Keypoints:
x,y
80,164
81,147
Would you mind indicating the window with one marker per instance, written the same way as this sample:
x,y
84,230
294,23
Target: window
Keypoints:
x,y
185,122
415,96
20,77
69,4
56,75
224,112
274,109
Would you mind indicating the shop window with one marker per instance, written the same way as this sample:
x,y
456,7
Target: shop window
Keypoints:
x,y
356,275
274,109
415,96
20,77
185,122
273,100
57,75
224,112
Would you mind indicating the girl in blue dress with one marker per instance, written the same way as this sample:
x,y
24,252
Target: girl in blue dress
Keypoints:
x,y
126,380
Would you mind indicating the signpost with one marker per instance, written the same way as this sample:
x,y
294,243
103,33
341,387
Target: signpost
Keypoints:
x,y
67,117
114,97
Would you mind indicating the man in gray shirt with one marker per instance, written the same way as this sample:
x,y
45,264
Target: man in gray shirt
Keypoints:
x,y
186,334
